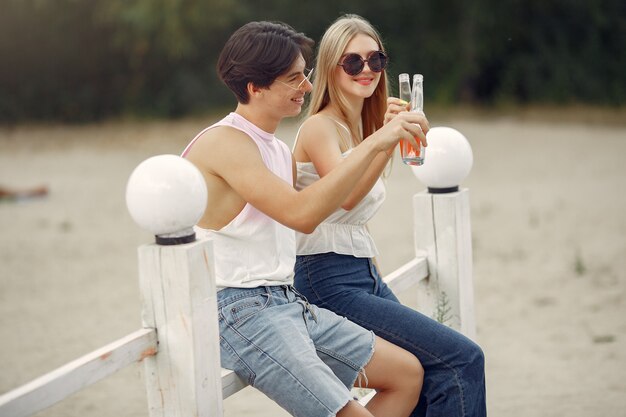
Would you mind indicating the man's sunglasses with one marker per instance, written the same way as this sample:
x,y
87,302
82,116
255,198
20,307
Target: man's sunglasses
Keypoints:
x,y
353,64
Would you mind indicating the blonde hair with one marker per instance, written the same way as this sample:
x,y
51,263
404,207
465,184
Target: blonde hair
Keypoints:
x,y
325,90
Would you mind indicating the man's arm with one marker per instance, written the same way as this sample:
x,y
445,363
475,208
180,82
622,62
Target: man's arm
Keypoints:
x,y
231,155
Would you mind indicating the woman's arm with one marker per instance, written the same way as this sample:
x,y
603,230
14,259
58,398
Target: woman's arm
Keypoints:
x,y
320,140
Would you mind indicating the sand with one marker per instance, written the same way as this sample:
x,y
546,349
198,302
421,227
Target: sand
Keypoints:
x,y
548,207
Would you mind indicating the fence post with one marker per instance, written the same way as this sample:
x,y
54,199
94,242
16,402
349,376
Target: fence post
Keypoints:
x,y
179,301
167,195
442,231
443,234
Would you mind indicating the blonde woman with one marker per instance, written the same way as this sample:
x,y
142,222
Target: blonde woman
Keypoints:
x,y
335,266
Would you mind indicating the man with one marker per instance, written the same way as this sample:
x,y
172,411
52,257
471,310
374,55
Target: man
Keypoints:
x,y
303,357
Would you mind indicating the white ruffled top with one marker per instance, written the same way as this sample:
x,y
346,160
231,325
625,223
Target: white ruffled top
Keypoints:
x,y
343,232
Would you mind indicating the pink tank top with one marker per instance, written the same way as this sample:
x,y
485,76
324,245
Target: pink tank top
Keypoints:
x,y
253,249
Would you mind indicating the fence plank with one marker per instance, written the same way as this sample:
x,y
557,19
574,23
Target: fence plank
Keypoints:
x,y
407,275
180,301
78,374
231,383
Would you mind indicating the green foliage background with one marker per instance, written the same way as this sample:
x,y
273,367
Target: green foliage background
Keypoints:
x,y
78,60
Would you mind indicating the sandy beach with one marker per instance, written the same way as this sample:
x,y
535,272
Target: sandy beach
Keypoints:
x,y
548,204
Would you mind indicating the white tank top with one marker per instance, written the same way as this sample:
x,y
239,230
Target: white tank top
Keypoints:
x,y
253,249
343,232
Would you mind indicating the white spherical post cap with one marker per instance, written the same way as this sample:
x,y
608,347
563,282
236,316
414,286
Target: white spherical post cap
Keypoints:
x,y
167,195
448,160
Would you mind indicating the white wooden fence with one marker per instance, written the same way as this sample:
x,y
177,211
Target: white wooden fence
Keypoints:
x,y
179,343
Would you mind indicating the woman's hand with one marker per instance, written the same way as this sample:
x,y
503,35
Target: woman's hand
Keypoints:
x,y
410,126
395,106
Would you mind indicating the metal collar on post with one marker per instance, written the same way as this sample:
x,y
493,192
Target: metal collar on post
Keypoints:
x,y
446,190
168,239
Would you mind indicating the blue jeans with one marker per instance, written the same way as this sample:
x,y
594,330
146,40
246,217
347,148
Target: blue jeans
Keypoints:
x,y
454,376
303,357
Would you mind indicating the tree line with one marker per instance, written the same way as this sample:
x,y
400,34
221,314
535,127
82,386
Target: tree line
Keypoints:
x,y
81,60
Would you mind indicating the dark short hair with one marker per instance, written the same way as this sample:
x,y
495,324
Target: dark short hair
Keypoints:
x,y
259,52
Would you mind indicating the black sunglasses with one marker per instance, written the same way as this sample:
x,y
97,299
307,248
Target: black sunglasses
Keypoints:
x,y
353,64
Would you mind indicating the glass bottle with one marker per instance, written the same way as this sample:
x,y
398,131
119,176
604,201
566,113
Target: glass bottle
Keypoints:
x,y
417,94
405,87
410,154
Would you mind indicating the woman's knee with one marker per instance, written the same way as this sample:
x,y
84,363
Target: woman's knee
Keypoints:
x,y
474,357
410,375
392,367
414,375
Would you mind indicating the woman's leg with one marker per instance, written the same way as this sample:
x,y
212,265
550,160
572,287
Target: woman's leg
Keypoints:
x,y
397,377
359,358
453,365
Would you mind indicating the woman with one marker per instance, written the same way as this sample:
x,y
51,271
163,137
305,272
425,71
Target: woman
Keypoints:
x,y
335,266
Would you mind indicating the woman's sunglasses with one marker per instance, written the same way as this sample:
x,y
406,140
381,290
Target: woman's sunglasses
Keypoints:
x,y
353,64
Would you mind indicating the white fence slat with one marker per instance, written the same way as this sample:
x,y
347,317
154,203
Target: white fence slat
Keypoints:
x,y
367,397
407,275
180,301
78,374
231,383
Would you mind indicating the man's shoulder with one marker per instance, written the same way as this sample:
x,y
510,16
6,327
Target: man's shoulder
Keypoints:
x,y
215,149
221,135
221,131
